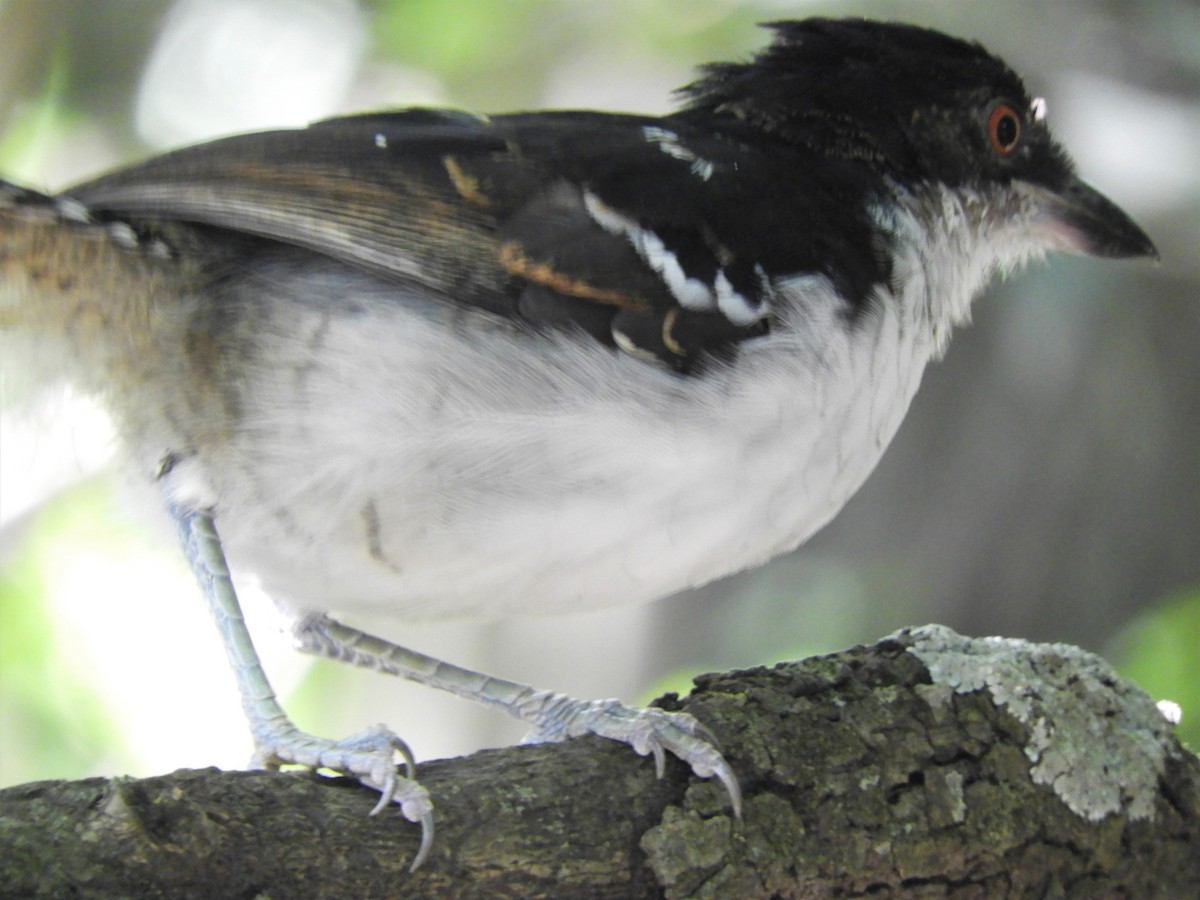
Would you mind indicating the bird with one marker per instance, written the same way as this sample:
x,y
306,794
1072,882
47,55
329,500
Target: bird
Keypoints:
x,y
430,363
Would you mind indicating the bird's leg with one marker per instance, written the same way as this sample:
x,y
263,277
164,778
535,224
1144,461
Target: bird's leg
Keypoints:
x,y
369,757
553,717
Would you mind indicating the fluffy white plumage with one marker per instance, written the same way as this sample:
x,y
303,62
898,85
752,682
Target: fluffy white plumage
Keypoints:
x,y
481,471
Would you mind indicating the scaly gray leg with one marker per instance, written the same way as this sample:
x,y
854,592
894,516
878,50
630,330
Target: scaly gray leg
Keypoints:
x,y
554,717
370,756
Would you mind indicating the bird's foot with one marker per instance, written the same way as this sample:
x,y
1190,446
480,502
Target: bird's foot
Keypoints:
x,y
647,731
552,717
369,757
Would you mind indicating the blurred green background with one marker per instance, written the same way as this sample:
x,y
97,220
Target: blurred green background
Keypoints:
x,y
1046,484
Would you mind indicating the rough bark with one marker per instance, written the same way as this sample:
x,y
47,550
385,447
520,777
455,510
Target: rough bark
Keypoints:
x,y
926,765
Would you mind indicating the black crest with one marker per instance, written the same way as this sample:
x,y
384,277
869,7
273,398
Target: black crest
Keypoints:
x,y
878,92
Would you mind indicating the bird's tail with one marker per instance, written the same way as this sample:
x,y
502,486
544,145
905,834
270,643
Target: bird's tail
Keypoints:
x,y
77,290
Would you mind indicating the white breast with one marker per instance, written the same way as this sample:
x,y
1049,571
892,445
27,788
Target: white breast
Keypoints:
x,y
434,463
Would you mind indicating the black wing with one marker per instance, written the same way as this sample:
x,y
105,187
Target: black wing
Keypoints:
x,y
652,234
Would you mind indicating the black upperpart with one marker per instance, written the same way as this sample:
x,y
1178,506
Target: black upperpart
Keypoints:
x,y
666,236
909,102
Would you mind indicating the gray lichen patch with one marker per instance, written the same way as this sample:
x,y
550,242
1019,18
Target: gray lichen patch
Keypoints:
x,y
1095,738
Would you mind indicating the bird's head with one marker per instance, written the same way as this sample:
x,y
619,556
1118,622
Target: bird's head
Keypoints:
x,y
916,108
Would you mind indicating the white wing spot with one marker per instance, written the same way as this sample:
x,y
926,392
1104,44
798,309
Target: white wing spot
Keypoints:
x,y
624,343
72,210
607,217
690,292
159,249
668,142
123,236
704,168
735,306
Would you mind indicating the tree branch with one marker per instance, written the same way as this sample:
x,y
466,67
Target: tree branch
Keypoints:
x,y
926,763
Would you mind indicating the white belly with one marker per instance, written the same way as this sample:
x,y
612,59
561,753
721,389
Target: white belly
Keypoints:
x,y
438,476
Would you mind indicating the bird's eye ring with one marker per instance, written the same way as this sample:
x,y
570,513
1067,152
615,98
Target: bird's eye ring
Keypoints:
x,y
1004,129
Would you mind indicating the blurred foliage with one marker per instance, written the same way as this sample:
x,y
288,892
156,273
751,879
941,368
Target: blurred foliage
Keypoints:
x,y
482,35
1160,650
64,725
25,135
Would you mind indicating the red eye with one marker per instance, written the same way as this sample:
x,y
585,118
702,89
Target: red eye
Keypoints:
x,y
1004,129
